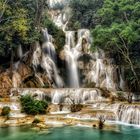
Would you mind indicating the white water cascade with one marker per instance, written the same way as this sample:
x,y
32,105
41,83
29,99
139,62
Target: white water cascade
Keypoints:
x,y
73,51
71,55
59,14
46,58
20,51
78,96
129,114
104,73
48,47
125,113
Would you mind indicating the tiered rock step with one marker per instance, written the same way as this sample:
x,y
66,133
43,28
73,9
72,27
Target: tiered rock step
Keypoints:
x,y
15,108
91,113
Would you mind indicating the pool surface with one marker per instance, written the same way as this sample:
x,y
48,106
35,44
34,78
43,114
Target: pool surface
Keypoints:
x,y
70,133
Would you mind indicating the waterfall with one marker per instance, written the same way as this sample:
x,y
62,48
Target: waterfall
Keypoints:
x,y
19,51
103,73
129,114
36,56
78,96
57,3
51,70
71,55
49,60
16,79
46,35
122,84
125,113
48,46
49,49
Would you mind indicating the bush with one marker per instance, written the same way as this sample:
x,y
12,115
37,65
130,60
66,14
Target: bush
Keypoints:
x,y
36,120
76,107
120,96
32,106
5,111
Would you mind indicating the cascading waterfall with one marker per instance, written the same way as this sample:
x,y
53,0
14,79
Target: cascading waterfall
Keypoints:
x,y
104,73
49,60
48,47
71,57
129,114
49,66
36,56
125,113
16,78
58,15
73,51
78,96
19,51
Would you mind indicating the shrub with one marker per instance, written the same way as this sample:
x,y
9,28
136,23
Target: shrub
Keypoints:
x,y
76,107
120,96
36,120
32,106
5,111
101,122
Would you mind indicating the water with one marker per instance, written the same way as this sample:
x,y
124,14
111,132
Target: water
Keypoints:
x,y
76,95
68,133
71,57
45,57
19,51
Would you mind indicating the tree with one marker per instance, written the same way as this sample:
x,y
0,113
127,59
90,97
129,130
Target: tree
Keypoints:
x,y
84,13
20,23
14,27
5,111
119,30
32,106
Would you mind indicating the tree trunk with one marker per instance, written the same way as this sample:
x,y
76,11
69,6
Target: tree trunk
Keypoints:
x,y
40,4
133,69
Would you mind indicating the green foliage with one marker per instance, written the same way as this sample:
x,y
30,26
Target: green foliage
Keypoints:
x,y
5,111
36,121
119,32
84,13
18,23
120,96
46,86
32,106
118,20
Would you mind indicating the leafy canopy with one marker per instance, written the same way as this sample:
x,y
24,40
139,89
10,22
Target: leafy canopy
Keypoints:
x,y
33,106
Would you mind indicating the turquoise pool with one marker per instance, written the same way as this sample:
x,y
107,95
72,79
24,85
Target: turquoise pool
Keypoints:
x,y
70,133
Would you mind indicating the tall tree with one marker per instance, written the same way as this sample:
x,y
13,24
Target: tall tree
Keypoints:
x,y
83,13
119,30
